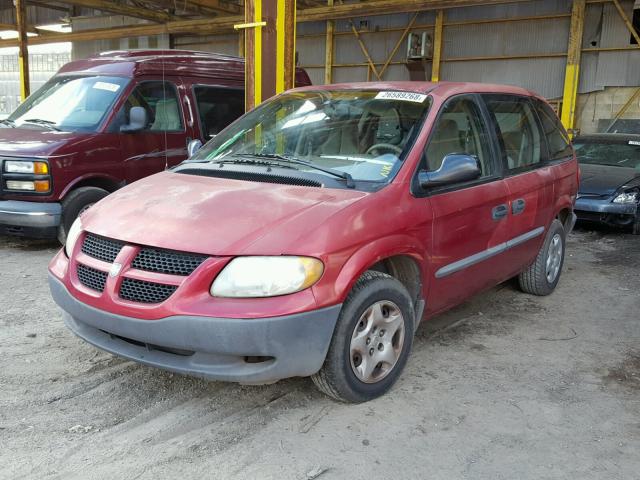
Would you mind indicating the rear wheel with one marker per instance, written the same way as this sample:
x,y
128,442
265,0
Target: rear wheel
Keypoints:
x,y
74,204
371,341
543,275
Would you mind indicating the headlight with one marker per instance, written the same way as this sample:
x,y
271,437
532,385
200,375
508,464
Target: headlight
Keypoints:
x,y
72,236
266,276
626,197
19,166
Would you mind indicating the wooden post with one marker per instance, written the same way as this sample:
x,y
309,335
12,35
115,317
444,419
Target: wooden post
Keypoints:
x,y
437,46
328,57
270,32
572,72
23,49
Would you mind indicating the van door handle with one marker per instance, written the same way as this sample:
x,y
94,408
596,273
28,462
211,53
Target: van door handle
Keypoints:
x,y
499,211
518,206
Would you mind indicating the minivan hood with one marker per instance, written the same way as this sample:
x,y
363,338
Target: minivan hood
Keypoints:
x,y
604,179
36,142
214,216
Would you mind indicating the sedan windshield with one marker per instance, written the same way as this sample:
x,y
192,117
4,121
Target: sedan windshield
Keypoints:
x,y
69,103
356,135
612,154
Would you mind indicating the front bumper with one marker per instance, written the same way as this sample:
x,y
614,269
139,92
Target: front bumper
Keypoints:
x,y
29,218
214,348
605,211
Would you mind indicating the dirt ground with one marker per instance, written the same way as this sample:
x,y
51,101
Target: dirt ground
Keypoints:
x,y
507,386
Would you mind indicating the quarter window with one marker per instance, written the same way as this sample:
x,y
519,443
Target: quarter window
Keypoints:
x,y
160,100
517,131
459,129
557,138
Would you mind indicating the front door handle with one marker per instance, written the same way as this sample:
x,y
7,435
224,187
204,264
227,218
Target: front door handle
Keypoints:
x,y
499,211
518,206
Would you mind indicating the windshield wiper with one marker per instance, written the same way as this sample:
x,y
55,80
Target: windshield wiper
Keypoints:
x,y
6,121
283,158
45,123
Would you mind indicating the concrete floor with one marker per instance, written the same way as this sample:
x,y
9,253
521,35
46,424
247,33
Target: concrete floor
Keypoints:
x,y
506,386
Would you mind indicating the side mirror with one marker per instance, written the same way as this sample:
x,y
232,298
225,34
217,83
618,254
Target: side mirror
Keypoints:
x,y
193,147
137,120
455,168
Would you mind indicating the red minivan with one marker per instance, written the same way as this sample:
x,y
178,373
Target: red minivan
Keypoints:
x,y
107,121
312,235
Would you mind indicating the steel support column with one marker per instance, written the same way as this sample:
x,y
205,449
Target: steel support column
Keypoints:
x,y
572,72
270,32
23,50
437,46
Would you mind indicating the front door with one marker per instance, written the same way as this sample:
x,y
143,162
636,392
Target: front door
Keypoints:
x,y
162,142
469,219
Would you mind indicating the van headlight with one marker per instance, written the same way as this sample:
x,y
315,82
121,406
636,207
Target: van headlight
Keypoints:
x,y
72,236
266,276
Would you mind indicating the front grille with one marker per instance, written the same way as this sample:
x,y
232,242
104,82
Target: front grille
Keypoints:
x,y
167,261
91,278
145,292
101,248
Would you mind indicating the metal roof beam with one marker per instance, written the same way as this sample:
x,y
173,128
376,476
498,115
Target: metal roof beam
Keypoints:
x,y
123,9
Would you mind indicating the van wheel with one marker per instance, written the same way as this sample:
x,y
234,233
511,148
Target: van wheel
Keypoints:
x,y
74,204
371,341
542,276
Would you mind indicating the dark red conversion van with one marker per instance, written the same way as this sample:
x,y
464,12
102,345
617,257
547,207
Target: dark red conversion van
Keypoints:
x,y
106,121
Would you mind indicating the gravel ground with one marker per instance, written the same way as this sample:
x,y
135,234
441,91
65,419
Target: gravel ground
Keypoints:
x,y
506,386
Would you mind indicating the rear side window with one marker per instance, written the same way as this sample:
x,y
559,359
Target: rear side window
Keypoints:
x,y
557,138
217,108
460,129
517,130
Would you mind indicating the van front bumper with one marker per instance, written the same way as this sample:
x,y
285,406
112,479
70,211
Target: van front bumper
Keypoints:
x,y
35,219
253,351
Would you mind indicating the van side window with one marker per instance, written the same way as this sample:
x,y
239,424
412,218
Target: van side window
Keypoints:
x,y
517,130
160,100
217,108
460,129
557,138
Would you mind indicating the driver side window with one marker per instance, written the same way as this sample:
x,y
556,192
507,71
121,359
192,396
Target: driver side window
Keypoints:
x,y
160,101
459,129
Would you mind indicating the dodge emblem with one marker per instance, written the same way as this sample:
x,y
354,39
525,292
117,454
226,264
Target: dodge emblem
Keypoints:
x,y
115,269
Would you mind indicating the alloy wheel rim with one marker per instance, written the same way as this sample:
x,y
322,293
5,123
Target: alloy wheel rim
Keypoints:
x,y
554,258
377,341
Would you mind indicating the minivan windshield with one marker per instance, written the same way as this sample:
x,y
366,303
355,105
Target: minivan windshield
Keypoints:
x,y
359,135
69,103
610,154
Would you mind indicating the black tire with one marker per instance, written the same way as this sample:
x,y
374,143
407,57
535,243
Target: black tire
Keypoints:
x,y
336,378
534,279
635,226
74,203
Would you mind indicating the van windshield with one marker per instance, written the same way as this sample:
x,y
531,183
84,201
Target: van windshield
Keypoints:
x,y
69,103
361,134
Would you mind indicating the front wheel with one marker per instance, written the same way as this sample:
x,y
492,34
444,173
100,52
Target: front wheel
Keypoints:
x,y
543,275
371,341
74,204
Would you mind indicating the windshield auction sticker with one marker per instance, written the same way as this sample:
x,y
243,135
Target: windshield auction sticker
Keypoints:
x,y
404,96
110,87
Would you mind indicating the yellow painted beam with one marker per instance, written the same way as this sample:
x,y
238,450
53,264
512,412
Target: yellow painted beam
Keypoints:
x,y
23,49
626,21
437,46
572,72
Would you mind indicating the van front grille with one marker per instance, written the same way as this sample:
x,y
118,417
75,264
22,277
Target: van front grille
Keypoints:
x,y
167,261
91,278
145,292
101,248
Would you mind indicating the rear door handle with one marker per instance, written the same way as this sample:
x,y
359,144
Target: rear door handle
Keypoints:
x,y
499,211
518,206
